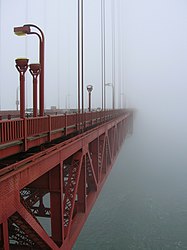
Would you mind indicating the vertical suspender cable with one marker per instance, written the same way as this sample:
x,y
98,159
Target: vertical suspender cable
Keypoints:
x,y
82,57
123,58
119,55
103,53
79,63
58,55
113,52
26,50
0,50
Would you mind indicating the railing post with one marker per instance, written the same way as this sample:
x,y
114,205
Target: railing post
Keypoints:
x,y
49,126
91,118
66,124
25,134
76,121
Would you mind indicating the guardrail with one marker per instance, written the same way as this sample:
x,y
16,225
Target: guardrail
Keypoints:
x,y
13,130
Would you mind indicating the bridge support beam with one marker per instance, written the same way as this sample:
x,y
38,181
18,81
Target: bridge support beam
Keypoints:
x,y
94,151
56,204
72,173
81,205
5,235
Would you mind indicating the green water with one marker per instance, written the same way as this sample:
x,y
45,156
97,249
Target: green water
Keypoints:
x,y
143,204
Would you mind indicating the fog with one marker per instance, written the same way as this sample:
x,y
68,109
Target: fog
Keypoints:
x,y
156,49
143,204
58,20
151,40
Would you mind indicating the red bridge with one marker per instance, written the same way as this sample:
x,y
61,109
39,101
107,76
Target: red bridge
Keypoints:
x,y
53,166
59,156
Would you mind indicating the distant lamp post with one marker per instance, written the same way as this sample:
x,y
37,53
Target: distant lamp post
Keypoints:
x,y
113,98
35,69
26,30
89,89
22,66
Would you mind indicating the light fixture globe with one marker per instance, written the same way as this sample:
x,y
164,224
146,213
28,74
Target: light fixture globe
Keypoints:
x,y
89,88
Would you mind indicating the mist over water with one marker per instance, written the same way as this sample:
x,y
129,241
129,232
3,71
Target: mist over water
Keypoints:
x,y
143,205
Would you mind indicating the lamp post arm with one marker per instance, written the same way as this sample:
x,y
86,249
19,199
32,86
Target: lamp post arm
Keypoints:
x,y
38,35
35,26
41,53
40,42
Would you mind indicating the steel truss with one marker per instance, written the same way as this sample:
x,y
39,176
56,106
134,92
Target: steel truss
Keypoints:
x,y
60,185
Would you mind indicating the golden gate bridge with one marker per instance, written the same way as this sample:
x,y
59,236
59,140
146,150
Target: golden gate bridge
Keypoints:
x,y
65,155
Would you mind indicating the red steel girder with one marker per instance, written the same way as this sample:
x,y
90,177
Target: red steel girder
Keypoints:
x,y
71,190
21,232
91,177
73,172
19,135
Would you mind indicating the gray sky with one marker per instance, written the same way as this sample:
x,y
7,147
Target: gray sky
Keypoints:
x,y
153,47
58,20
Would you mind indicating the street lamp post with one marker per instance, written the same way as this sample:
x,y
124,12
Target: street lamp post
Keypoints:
x,y
89,88
26,30
113,97
22,66
35,71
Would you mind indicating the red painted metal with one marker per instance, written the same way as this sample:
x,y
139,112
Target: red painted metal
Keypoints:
x,y
22,66
26,29
19,135
78,56
41,58
89,89
70,173
35,71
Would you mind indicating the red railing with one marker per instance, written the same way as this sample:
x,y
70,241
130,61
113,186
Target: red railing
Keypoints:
x,y
57,122
37,126
11,130
72,120
28,128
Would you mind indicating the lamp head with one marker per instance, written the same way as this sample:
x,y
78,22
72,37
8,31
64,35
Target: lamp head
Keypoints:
x,y
35,69
89,88
22,31
35,66
22,64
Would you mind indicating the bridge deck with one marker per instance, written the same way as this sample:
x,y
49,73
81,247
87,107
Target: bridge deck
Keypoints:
x,y
19,135
71,172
